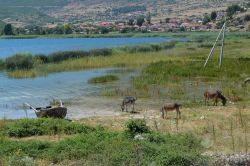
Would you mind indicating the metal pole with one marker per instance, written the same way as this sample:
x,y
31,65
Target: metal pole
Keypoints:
x,y
214,45
222,44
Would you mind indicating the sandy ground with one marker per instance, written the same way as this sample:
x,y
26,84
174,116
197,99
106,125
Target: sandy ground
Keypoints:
x,y
87,107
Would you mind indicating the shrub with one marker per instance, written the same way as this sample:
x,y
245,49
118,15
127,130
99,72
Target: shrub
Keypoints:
x,y
42,58
101,52
247,17
65,55
19,61
137,126
31,127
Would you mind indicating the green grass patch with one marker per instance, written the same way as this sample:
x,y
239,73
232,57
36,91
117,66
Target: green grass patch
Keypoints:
x,y
35,127
100,146
164,72
103,79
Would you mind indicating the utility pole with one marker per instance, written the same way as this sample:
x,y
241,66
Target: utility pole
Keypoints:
x,y
223,29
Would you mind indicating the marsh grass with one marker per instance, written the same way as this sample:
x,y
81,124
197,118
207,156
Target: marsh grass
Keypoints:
x,y
20,74
103,79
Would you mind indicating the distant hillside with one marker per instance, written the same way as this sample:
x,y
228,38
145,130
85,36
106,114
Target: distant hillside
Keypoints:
x,y
1,26
34,3
23,12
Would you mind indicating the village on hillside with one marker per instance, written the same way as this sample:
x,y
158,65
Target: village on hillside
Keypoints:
x,y
139,21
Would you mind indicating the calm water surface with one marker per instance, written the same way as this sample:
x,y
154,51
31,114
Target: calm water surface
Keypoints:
x,y
66,85
9,47
40,91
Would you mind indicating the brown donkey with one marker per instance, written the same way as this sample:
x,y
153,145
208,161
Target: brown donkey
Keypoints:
x,y
171,107
211,94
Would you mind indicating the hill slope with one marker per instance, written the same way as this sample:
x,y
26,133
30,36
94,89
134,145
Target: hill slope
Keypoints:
x,y
40,12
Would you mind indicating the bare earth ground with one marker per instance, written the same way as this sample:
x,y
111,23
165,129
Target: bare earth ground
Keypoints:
x,y
223,129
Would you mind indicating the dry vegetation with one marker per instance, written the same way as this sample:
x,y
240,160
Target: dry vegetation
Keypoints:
x,y
223,129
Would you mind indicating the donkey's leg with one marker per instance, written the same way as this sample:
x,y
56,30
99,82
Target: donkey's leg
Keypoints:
x,y
162,113
216,101
179,113
166,111
205,100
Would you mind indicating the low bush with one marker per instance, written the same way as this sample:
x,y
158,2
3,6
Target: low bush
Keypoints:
x,y
42,58
137,126
31,127
19,61
65,55
101,52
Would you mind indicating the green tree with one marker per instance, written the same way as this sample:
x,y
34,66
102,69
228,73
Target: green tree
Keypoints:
x,y
140,20
206,20
231,10
148,18
247,17
104,30
8,30
167,20
213,15
67,29
131,22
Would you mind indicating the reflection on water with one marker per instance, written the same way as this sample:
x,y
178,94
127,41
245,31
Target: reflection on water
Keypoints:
x,y
40,91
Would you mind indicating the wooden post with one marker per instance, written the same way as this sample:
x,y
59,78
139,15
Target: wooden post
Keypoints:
x,y
214,45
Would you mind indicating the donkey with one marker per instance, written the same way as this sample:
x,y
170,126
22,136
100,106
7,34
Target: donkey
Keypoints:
x,y
128,100
171,107
211,94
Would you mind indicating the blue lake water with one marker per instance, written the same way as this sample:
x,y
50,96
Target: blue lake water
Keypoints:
x,y
9,47
66,85
40,91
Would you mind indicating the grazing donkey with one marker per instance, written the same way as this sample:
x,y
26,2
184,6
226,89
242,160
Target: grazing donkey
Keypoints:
x,y
128,100
211,94
171,107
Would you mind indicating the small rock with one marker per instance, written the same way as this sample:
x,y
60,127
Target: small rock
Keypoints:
x,y
139,137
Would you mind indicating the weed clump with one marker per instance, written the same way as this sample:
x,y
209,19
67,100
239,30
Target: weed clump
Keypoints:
x,y
103,79
137,126
19,61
